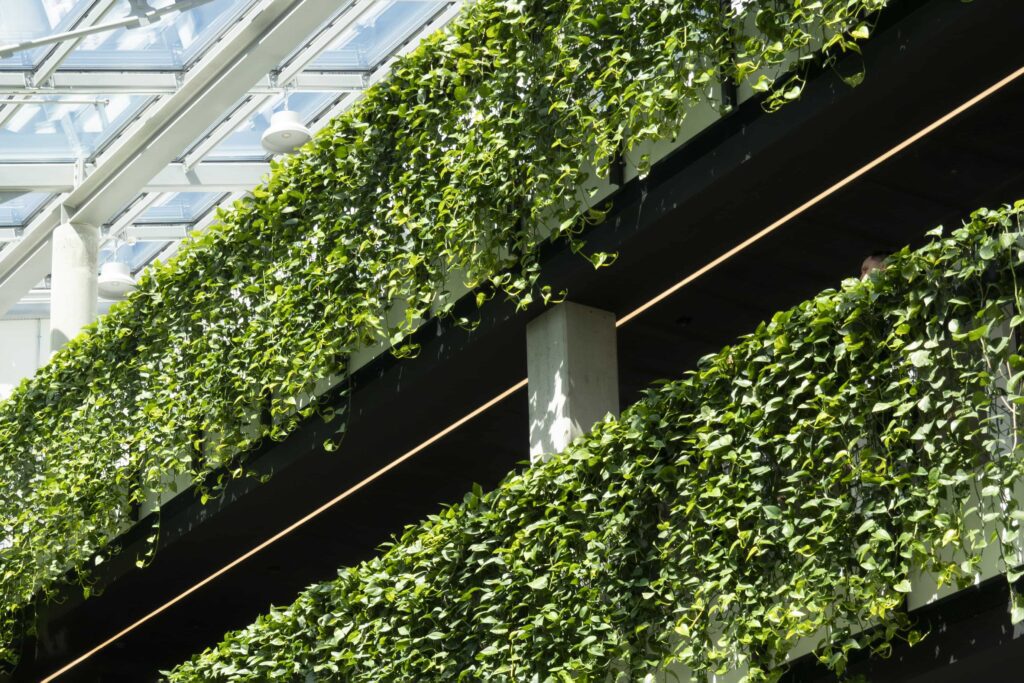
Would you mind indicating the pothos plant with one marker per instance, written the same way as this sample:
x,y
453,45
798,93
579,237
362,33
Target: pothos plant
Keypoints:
x,y
454,168
784,490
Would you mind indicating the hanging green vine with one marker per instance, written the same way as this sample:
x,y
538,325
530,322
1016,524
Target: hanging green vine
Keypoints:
x,y
449,168
783,490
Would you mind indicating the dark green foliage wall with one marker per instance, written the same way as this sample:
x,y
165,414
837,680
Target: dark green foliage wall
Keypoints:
x,y
783,490
466,158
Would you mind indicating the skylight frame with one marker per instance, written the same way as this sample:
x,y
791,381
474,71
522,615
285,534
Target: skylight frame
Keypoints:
x,y
85,59
408,29
70,129
31,60
39,203
294,76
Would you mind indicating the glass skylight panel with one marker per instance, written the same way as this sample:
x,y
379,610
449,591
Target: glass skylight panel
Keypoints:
x,y
179,207
376,34
22,20
137,255
171,43
18,208
243,144
65,127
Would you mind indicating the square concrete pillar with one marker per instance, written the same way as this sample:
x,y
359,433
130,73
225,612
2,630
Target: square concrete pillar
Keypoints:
x,y
573,375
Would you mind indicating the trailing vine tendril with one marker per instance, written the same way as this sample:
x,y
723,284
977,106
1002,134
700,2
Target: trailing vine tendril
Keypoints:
x,y
449,173
788,489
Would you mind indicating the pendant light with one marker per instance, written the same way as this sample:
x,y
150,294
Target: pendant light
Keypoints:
x,y
115,282
286,132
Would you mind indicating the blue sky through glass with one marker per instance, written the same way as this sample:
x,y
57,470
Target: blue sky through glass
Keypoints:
x,y
376,34
171,43
93,109
179,207
17,208
65,128
137,255
22,20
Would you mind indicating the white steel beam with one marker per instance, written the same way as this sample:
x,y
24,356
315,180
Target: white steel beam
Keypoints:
x,y
26,274
211,176
156,232
250,50
343,81
37,177
8,108
159,83
89,82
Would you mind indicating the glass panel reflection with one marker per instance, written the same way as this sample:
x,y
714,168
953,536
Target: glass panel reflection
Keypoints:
x,y
65,127
171,43
179,207
376,34
22,20
137,255
18,208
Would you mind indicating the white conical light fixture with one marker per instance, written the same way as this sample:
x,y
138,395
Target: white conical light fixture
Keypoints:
x,y
286,133
115,282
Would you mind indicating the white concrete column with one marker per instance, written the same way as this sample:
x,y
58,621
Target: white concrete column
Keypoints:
x,y
573,375
73,281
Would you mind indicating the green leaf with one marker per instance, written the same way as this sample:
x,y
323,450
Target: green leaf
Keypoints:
x,y
1016,609
862,32
921,358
